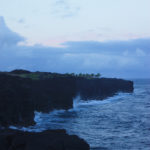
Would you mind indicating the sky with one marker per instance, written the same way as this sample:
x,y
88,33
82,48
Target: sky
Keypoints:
x,y
110,37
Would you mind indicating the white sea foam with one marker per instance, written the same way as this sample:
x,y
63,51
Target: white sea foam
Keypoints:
x,y
78,102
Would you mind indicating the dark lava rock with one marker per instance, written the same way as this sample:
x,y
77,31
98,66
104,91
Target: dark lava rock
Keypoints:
x,y
16,105
101,88
47,140
20,97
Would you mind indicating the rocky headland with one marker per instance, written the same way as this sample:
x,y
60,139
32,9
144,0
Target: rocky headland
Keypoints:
x,y
23,92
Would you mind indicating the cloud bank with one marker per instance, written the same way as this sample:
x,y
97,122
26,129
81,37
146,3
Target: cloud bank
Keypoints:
x,y
8,37
127,59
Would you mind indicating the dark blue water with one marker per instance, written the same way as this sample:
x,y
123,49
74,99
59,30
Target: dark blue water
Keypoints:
x,y
118,123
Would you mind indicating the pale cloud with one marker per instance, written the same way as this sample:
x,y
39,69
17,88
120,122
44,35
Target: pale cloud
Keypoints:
x,y
77,20
126,53
65,8
22,21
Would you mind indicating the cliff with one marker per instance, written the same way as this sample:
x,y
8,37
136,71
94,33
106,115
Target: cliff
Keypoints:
x,y
101,88
23,92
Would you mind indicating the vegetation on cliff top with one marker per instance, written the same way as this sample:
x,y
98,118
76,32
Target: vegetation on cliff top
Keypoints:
x,y
44,75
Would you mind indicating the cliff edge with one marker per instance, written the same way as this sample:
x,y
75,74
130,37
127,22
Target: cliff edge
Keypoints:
x,y
23,92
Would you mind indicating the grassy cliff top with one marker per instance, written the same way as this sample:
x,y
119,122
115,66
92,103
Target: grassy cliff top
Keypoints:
x,y
45,75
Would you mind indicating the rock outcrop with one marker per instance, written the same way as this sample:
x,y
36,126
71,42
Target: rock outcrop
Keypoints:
x,y
47,140
16,105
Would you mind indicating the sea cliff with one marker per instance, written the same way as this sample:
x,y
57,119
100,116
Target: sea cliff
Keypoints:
x,y
23,92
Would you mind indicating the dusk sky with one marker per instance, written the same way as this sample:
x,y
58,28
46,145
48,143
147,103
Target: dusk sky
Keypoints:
x,y
111,37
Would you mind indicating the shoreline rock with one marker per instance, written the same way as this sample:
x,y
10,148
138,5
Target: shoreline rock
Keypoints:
x,y
46,140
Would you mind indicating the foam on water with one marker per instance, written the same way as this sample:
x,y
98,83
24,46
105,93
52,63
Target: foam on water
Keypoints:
x,y
78,102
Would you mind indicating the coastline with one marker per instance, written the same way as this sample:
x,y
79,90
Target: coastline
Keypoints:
x,y
21,95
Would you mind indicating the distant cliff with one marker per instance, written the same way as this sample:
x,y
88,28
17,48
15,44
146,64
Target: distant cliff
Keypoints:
x,y
22,92
101,88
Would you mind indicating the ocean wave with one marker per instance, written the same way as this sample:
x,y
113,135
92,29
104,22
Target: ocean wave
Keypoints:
x,y
78,102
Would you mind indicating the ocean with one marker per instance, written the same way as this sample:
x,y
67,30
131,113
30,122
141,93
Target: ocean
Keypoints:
x,y
121,122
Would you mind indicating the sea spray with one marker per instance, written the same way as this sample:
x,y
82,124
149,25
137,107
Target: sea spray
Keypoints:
x,y
78,103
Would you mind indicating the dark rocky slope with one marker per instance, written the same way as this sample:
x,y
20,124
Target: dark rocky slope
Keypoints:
x,y
23,92
16,105
47,140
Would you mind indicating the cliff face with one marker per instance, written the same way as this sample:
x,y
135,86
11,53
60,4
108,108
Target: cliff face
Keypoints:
x,y
53,93
20,97
16,105
102,88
